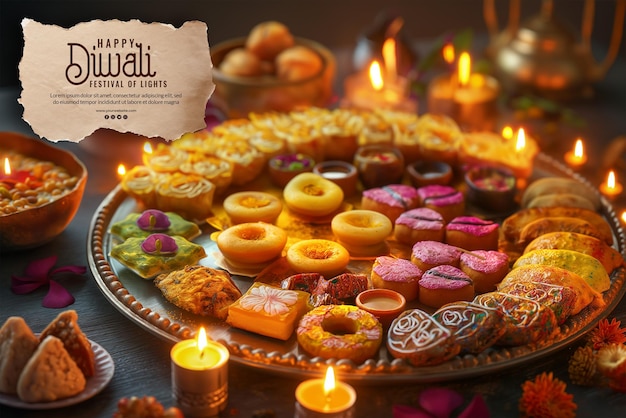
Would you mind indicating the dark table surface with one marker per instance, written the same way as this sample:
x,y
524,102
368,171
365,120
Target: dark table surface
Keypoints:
x,y
142,362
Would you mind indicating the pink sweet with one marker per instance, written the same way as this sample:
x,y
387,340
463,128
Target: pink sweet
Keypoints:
x,y
396,269
472,225
395,195
435,252
421,218
439,195
485,261
445,277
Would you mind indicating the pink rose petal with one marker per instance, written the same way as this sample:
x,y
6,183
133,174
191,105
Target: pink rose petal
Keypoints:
x,y
39,269
477,408
440,402
57,297
403,411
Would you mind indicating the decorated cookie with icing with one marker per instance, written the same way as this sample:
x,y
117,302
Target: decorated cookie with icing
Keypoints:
x,y
417,337
475,327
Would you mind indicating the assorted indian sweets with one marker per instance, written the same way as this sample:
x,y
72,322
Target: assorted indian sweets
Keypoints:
x,y
471,283
27,182
53,365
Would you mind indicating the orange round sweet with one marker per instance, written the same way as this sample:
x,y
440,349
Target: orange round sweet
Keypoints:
x,y
312,195
322,256
361,232
340,331
252,206
251,243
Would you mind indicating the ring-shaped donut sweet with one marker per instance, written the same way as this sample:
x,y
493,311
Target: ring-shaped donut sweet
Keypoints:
x,y
322,256
312,195
251,243
340,331
252,206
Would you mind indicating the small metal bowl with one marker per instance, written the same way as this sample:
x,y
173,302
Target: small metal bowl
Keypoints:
x,y
38,225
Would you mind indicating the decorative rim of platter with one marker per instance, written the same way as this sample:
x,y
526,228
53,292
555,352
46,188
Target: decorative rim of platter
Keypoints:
x,y
169,324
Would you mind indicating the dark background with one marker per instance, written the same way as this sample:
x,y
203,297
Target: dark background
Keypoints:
x,y
335,23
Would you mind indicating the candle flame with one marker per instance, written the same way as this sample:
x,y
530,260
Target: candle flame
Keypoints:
x,y
521,140
389,57
610,180
329,381
201,339
147,148
121,170
623,216
465,68
448,53
7,166
578,149
376,77
507,132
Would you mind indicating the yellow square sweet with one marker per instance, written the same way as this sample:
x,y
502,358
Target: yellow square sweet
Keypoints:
x,y
268,310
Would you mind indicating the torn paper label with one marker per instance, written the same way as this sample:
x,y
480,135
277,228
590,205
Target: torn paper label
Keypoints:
x,y
150,79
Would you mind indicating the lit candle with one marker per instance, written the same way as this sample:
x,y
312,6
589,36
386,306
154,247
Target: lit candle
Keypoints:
x,y
611,188
470,99
576,158
12,177
121,171
475,98
200,375
623,217
325,398
375,90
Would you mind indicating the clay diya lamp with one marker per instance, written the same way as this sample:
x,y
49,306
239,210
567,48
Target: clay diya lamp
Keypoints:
x,y
283,168
491,188
384,304
423,173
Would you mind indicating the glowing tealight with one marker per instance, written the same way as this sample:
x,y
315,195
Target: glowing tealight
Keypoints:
x,y
576,158
376,77
389,57
507,132
7,166
147,148
520,144
448,53
325,397
611,188
121,170
465,69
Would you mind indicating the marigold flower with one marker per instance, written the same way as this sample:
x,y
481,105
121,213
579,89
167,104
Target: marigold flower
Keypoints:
x,y
606,333
545,397
582,366
612,360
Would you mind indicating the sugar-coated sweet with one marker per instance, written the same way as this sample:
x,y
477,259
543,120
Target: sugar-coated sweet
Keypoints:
x,y
390,200
396,274
446,200
486,268
421,340
472,233
475,327
341,332
268,310
429,254
419,224
444,284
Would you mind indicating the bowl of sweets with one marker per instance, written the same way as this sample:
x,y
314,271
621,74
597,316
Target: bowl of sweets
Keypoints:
x,y
271,70
41,187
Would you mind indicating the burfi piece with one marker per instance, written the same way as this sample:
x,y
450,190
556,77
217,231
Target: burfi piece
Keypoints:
x,y
156,254
268,310
153,220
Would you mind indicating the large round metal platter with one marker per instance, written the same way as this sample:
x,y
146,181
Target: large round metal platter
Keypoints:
x,y
143,304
